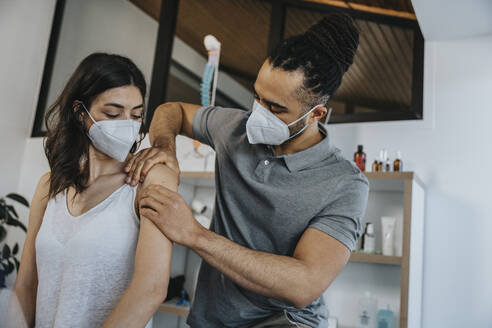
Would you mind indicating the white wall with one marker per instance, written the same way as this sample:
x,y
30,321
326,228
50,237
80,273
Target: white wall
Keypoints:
x,y
24,30
453,19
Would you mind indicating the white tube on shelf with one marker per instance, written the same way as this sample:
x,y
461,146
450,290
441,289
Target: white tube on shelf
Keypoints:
x,y
388,236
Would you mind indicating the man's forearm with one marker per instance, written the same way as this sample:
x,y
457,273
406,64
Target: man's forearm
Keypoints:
x,y
166,125
281,277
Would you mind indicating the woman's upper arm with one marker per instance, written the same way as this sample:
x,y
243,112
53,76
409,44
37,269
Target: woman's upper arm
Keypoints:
x,y
154,250
27,276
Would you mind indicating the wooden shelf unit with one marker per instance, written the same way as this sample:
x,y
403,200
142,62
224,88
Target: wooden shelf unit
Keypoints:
x,y
171,307
411,261
375,258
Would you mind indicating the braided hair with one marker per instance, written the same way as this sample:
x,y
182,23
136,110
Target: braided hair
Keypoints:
x,y
324,53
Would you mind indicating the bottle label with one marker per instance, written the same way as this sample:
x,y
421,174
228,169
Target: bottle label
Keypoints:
x,y
360,161
364,318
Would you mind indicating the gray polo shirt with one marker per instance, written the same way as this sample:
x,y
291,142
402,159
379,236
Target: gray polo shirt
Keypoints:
x,y
265,202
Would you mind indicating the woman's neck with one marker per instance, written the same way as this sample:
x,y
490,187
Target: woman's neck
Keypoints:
x,y
101,164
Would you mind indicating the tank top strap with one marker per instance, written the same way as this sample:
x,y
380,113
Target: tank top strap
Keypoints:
x,y
128,197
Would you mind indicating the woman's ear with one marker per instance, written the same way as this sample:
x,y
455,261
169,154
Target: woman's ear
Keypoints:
x,y
76,106
78,113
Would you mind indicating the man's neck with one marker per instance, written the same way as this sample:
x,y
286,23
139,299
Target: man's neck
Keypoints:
x,y
310,137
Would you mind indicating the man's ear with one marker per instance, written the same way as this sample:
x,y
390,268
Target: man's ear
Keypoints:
x,y
319,113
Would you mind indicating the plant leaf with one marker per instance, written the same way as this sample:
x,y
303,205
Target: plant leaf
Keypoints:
x,y
18,198
3,233
6,251
2,279
4,214
17,264
15,250
10,268
12,210
16,223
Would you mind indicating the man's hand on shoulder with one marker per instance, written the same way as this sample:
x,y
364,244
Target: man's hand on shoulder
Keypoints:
x,y
139,165
170,213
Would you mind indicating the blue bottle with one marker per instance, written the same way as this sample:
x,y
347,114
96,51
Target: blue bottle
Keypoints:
x,y
386,318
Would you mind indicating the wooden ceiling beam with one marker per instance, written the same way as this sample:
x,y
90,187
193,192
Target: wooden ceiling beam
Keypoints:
x,y
369,9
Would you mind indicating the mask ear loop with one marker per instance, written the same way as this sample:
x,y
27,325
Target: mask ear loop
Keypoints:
x,y
306,114
88,113
300,118
328,115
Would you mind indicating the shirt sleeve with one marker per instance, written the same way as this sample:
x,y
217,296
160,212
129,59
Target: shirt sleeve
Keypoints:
x,y
342,218
213,125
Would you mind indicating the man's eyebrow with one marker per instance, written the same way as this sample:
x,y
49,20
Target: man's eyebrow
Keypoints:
x,y
121,106
270,103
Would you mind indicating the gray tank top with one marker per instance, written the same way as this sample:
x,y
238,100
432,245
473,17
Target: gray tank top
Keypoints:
x,y
85,263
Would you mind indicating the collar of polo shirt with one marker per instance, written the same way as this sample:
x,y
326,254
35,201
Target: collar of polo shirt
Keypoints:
x,y
311,155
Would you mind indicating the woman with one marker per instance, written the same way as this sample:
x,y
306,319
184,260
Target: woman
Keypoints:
x,y
89,259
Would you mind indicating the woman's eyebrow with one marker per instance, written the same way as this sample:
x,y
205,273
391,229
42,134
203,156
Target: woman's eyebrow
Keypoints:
x,y
115,105
121,106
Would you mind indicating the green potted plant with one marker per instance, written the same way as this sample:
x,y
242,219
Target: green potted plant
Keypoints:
x,y
9,217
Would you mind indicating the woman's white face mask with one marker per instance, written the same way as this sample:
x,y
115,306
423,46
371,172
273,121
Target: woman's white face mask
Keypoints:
x,y
263,127
115,138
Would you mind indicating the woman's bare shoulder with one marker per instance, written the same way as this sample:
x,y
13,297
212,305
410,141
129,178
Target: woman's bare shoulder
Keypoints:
x,y
40,200
161,174
43,187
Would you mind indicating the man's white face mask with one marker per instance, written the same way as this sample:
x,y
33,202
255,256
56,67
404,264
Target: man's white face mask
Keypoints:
x,y
263,127
115,138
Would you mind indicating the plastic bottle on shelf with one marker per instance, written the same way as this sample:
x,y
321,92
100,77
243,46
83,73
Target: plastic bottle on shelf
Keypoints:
x,y
387,167
360,158
375,165
398,163
386,318
367,315
368,239
381,161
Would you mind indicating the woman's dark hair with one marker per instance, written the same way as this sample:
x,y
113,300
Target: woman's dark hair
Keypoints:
x,y
324,53
67,145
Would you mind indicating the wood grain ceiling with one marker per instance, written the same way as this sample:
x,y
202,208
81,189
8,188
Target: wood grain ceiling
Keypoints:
x,y
381,73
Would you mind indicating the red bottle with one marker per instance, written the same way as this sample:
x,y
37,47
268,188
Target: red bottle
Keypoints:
x,y
360,158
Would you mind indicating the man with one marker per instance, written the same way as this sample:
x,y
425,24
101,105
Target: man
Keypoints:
x,y
288,206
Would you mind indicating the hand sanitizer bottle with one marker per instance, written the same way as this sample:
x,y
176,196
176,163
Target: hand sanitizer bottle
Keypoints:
x,y
367,311
386,318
